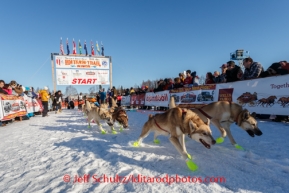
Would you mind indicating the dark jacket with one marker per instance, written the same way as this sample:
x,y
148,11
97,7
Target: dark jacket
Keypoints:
x,y
56,99
274,69
231,75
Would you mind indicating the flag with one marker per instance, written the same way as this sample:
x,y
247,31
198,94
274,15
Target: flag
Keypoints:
x,y
97,48
74,47
67,47
61,47
79,47
102,49
85,48
92,48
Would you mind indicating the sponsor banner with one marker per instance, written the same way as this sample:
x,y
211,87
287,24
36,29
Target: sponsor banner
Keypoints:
x,y
160,99
12,106
82,77
125,100
137,100
31,104
133,99
264,95
194,97
83,62
40,105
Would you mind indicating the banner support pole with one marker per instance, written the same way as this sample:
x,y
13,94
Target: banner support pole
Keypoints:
x,y
53,75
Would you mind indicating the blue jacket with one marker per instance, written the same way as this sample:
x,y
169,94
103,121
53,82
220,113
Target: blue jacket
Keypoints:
x,y
102,95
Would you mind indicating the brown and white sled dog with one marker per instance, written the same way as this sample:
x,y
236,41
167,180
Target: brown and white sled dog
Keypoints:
x,y
95,113
176,123
118,114
222,114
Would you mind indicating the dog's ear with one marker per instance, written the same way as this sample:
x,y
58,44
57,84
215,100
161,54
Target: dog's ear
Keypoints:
x,y
246,114
192,125
208,122
254,115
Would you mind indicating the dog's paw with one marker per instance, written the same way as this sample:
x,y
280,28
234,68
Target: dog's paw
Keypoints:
x,y
157,141
136,144
113,132
239,147
88,127
103,132
121,129
220,140
191,165
189,156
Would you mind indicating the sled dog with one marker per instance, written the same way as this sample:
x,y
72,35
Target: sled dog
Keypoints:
x,y
177,123
222,114
97,114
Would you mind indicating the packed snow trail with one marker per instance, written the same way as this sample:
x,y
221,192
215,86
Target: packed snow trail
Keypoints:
x,y
40,154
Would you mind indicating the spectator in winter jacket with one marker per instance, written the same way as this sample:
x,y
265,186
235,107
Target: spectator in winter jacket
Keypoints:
x,y
8,89
189,79
2,83
168,83
57,101
233,72
118,100
44,99
146,89
102,96
285,65
223,75
112,91
194,75
252,69
161,85
277,68
216,77
34,95
209,78
182,77
177,84
131,91
126,93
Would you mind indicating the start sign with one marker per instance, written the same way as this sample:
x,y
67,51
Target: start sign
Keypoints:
x,y
84,81
82,77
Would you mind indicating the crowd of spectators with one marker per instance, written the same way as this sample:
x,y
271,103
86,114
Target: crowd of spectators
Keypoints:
x,y
49,101
230,72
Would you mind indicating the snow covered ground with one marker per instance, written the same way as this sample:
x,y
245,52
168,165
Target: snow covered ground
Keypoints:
x,y
36,155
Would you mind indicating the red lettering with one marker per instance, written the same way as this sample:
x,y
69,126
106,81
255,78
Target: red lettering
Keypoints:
x,y
94,80
83,81
74,81
89,81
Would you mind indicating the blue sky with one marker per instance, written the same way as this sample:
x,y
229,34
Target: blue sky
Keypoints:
x,y
147,39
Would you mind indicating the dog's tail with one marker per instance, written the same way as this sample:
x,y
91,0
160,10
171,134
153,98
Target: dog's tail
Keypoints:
x,y
87,105
172,102
113,103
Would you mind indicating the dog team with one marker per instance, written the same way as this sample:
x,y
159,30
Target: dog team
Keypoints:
x,y
177,122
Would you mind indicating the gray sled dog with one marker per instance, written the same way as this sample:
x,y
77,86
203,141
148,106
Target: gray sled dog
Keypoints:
x,y
222,114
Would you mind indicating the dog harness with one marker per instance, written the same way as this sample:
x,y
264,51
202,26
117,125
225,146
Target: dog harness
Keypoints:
x,y
204,113
160,126
183,116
